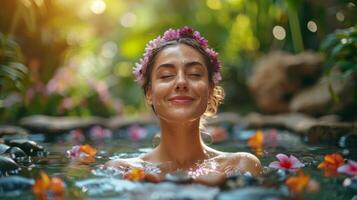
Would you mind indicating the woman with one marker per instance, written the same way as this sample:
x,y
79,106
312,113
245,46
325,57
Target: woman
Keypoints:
x,y
179,74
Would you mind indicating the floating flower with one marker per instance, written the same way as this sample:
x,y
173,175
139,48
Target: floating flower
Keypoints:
x,y
331,163
350,168
256,140
301,182
85,153
48,188
287,163
135,174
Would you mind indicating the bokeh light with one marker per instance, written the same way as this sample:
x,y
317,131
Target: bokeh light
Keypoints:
x,y
98,6
214,4
279,32
312,26
340,16
128,19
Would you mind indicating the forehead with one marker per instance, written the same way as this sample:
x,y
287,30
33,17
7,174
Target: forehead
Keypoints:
x,y
180,52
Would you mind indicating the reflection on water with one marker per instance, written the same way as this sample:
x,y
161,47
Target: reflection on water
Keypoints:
x,y
94,180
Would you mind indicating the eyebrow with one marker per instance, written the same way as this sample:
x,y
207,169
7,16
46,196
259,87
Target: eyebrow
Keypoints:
x,y
189,64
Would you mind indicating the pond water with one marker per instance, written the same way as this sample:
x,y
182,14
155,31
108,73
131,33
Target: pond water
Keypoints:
x,y
92,181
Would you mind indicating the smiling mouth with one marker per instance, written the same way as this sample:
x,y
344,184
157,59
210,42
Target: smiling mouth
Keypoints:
x,y
181,99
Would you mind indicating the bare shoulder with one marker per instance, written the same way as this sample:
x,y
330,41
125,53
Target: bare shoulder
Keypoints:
x,y
245,162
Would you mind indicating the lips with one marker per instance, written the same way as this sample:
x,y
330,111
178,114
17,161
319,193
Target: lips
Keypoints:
x,y
181,99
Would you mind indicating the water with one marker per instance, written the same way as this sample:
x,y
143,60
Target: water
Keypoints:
x,y
93,181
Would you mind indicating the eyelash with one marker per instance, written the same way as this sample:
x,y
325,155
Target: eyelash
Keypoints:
x,y
168,76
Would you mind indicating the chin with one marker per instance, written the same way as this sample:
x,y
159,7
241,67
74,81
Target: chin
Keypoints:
x,y
181,117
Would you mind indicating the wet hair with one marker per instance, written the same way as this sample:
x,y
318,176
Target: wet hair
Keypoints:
x,y
217,95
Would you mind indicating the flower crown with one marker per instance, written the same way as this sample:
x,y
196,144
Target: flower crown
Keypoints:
x,y
169,35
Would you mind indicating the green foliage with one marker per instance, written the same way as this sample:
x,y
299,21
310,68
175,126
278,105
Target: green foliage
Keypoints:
x,y
12,71
341,48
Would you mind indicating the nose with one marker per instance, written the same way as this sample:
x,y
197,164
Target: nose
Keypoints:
x,y
181,83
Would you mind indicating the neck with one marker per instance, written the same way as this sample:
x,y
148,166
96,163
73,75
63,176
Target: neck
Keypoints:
x,y
181,143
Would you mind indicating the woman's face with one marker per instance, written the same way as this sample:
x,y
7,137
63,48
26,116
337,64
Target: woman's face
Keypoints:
x,y
179,89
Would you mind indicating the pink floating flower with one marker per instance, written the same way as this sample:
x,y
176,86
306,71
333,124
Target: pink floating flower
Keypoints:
x,y
287,163
350,168
74,152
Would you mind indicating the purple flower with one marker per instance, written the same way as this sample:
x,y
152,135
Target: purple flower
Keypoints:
x,y
74,152
287,163
172,34
350,168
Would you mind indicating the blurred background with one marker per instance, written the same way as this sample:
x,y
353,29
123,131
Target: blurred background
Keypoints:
x,y
75,58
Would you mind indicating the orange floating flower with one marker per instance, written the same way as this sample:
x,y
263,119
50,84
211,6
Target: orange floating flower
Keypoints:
x,y
331,163
84,153
302,182
89,150
257,140
135,174
48,188
298,183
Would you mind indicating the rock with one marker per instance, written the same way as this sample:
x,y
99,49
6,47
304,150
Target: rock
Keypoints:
x,y
12,130
348,141
223,118
3,148
317,99
251,193
278,76
31,148
16,153
8,166
48,124
14,185
330,132
117,122
295,122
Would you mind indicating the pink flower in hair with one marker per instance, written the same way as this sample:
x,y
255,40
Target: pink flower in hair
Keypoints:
x,y
169,35
287,163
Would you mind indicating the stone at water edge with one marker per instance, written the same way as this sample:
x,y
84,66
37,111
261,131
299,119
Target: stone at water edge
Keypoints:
x,y
31,148
8,166
16,153
3,148
11,184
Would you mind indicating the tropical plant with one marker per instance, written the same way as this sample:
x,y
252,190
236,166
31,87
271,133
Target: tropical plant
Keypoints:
x,y
341,47
12,71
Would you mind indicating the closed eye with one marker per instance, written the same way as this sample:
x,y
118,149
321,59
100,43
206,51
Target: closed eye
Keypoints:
x,y
166,76
195,75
